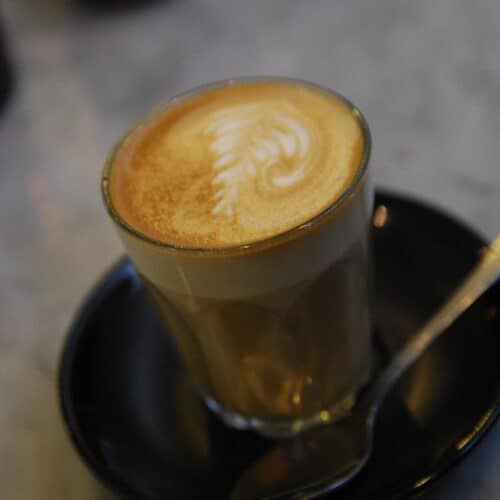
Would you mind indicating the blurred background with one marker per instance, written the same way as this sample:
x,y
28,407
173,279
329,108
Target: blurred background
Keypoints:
x,y
426,74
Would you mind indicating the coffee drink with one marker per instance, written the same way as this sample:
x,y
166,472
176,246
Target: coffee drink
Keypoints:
x,y
245,207
237,164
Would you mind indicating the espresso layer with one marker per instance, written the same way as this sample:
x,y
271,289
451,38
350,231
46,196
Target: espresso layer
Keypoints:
x,y
237,164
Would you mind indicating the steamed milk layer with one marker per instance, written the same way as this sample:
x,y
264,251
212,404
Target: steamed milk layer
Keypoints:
x,y
237,164
279,331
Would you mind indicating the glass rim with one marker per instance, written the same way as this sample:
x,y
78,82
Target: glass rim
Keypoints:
x,y
275,239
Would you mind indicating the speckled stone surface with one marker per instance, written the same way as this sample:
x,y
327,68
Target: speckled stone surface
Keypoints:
x,y
426,74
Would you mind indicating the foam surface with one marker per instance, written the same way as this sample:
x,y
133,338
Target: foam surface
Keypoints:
x,y
237,164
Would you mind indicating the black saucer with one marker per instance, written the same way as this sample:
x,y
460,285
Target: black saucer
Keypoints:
x,y
139,426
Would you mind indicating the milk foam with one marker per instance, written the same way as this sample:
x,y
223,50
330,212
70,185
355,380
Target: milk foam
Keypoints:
x,y
248,139
284,269
237,164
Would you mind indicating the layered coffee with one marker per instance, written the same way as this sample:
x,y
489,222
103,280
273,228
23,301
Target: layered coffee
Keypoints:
x,y
245,208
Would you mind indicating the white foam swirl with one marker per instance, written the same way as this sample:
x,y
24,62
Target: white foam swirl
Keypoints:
x,y
271,143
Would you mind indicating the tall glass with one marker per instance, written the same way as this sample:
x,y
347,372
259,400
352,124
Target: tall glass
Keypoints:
x,y
276,333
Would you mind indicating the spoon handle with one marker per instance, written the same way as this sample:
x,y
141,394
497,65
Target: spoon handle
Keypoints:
x,y
484,274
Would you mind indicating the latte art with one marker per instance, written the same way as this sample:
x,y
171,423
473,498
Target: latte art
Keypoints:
x,y
237,164
272,144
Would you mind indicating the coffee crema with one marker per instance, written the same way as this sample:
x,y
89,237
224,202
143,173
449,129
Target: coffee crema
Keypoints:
x,y
237,164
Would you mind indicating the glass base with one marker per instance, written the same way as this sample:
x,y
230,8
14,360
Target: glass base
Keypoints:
x,y
282,429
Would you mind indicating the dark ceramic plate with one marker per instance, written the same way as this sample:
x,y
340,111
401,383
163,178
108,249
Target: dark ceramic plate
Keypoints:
x,y
137,423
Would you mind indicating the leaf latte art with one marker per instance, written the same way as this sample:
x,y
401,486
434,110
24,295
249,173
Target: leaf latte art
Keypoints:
x,y
273,144
237,164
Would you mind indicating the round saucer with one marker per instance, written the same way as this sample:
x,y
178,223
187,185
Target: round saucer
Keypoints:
x,y
136,421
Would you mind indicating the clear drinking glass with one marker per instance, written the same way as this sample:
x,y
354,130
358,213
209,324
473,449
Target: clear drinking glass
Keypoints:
x,y
276,333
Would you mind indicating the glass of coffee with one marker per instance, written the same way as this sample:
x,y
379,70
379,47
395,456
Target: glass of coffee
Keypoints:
x,y
245,206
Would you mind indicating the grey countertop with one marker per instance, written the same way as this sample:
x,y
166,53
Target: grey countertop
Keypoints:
x,y
426,74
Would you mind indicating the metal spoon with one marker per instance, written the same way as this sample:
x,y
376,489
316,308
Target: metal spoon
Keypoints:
x,y
322,460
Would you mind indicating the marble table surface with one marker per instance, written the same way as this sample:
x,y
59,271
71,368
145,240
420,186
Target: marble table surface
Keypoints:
x,y
426,74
